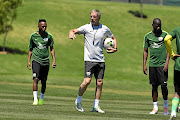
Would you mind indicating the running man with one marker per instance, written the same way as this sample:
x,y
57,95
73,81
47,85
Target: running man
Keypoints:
x,y
94,34
176,57
39,50
158,64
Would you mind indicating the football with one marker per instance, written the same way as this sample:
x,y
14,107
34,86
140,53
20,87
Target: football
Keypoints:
x,y
108,43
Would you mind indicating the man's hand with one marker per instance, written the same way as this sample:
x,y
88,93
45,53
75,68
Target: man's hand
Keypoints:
x,y
145,70
111,50
165,67
54,64
29,65
72,35
175,56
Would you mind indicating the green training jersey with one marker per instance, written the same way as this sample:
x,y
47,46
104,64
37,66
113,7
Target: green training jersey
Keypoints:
x,y
40,47
176,34
157,48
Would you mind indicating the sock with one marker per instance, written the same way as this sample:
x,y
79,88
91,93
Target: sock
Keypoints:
x,y
35,94
96,103
155,104
175,102
165,103
79,99
42,96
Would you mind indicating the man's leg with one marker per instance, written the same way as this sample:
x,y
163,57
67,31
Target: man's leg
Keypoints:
x,y
99,84
82,89
35,90
155,99
43,75
165,98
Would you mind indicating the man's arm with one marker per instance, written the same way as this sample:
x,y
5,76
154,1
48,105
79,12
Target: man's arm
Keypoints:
x,y
72,33
112,50
29,60
167,41
167,62
145,56
53,57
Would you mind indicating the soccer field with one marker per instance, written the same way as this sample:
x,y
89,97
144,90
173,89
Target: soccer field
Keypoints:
x,y
126,91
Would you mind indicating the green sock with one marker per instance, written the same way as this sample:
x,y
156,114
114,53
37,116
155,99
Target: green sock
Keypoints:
x,y
175,102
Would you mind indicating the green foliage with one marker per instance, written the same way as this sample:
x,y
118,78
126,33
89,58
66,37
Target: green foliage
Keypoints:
x,y
8,13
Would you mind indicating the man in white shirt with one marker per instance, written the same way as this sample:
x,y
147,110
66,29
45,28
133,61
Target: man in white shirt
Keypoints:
x,y
94,34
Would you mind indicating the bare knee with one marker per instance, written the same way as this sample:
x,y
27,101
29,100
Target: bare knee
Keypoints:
x,y
99,82
36,80
86,81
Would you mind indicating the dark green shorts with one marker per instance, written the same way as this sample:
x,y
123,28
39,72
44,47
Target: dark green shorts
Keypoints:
x,y
157,76
40,71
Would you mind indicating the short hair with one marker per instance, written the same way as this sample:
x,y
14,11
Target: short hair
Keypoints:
x,y
41,20
98,12
156,19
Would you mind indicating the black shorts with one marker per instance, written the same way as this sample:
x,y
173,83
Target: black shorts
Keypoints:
x,y
96,68
176,80
40,71
157,76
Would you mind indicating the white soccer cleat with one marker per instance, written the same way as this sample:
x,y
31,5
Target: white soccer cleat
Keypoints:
x,y
79,106
172,118
98,109
166,112
35,102
154,111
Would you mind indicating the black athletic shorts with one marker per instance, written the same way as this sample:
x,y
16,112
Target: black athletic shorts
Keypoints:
x,y
157,76
40,71
176,80
96,68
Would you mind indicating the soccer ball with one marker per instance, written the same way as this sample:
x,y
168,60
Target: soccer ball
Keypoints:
x,y
108,43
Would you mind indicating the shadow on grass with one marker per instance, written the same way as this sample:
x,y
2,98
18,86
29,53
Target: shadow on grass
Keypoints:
x,y
137,14
13,51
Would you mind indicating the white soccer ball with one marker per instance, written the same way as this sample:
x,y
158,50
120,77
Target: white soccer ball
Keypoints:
x,y
108,43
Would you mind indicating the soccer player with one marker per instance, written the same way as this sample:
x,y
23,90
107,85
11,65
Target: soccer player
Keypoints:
x,y
40,42
94,34
176,57
158,64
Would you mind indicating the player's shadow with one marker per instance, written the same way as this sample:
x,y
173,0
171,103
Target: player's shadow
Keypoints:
x,y
137,14
13,50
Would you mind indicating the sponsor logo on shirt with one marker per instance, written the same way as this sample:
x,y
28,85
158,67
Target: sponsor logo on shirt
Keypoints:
x,y
160,38
155,45
41,46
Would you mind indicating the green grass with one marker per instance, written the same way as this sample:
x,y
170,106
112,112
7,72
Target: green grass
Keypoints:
x,y
126,91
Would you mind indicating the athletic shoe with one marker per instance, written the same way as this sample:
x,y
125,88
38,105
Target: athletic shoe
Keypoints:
x,y
154,111
166,112
98,109
79,106
172,118
41,101
35,102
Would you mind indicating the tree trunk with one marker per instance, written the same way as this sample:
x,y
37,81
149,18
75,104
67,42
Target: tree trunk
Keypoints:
x,y
6,32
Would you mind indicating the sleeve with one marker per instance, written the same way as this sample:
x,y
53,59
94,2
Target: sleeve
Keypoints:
x,y
51,41
173,33
31,43
167,41
145,43
109,33
82,29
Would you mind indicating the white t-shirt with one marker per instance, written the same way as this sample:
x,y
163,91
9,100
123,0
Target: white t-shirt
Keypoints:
x,y
93,41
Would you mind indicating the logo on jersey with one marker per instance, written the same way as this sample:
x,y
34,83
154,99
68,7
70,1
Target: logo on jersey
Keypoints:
x,y
155,45
160,38
41,46
45,39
